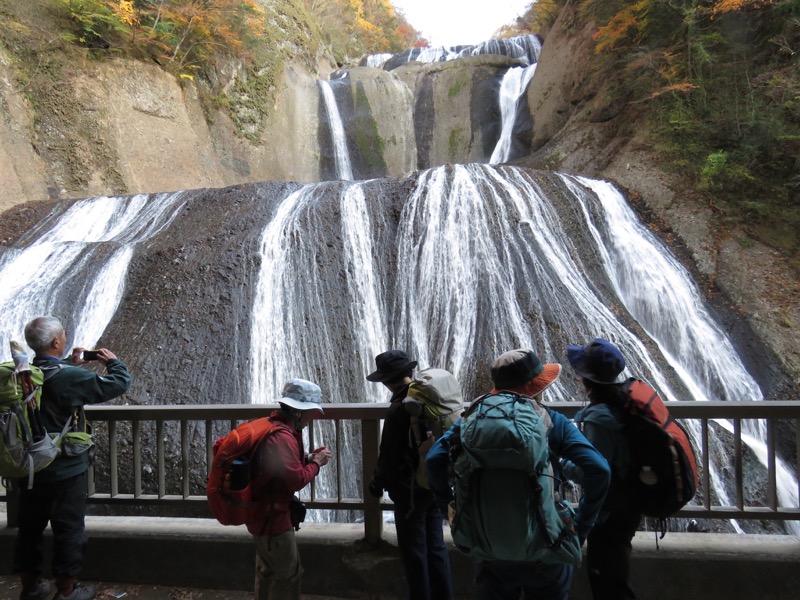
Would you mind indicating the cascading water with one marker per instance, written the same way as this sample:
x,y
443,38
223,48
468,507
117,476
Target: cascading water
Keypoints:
x,y
474,260
92,243
344,170
455,296
661,295
525,48
513,86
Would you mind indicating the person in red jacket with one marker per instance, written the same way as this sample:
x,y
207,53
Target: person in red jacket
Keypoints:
x,y
280,468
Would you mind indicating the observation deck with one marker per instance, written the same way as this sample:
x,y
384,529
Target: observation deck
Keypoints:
x,y
151,461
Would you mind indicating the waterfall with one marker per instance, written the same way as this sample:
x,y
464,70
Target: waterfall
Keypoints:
x,y
455,265
524,48
661,295
376,61
515,83
455,296
91,242
344,170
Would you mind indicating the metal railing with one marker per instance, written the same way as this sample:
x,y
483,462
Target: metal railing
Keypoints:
x,y
152,459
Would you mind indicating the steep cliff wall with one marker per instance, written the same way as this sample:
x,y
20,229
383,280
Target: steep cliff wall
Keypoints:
x,y
456,113
142,130
23,174
582,126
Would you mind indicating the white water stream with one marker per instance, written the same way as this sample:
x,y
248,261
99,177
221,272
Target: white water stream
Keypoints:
x,y
344,170
480,260
70,247
513,86
460,295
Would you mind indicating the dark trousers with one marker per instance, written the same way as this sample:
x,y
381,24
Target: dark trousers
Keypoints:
x,y
502,580
608,555
422,547
63,505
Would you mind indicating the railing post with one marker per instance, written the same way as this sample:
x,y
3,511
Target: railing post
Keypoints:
x,y
12,504
370,446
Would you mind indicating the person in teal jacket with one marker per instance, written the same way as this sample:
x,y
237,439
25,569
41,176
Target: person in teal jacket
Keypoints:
x,y
608,550
58,495
522,372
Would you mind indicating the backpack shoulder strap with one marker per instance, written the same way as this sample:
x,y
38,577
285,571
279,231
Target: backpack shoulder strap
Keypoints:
x,y
51,369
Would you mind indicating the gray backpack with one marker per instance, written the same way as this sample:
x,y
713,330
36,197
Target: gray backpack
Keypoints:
x,y
435,403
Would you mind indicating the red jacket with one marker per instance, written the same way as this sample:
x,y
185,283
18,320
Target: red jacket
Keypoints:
x,y
280,469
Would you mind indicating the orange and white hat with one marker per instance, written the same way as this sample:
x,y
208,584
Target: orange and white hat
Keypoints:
x,y
517,367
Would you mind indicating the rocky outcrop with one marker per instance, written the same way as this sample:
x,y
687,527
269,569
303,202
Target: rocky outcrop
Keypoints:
x,y
378,109
143,130
123,126
456,114
582,126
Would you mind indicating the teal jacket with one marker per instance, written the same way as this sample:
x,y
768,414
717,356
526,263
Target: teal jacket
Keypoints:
x,y
604,427
565,441
66,390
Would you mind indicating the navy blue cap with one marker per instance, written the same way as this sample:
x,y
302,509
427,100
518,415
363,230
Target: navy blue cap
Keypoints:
x,y
599,361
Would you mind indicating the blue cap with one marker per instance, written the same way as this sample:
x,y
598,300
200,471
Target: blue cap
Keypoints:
x,y
599,361
302,395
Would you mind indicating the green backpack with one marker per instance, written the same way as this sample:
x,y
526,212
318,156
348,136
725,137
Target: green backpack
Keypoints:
x,y
25,446
506,504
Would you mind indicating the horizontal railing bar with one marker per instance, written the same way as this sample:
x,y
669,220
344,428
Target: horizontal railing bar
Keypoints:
x,y
359,411
748,512
216,419
692,511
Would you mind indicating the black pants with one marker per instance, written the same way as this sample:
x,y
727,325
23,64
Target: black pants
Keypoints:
x,y
608,555
63,505
422,546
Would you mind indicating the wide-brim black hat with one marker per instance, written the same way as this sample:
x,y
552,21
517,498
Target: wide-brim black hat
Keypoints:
x,y
390,365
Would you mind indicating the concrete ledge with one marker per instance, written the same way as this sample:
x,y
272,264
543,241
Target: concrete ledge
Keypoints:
x,y
200,553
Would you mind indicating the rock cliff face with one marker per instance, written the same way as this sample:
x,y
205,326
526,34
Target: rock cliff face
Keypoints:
x,y
580,127
128,127
149,132
118,126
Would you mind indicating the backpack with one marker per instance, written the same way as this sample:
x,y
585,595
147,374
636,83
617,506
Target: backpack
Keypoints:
x,y
25,446
506,501
435,403
228,488
663,468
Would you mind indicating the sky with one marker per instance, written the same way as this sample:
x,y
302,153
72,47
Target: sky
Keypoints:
x,y
455,22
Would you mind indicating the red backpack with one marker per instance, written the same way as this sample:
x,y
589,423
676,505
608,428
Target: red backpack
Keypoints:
x,y
228,489
663,470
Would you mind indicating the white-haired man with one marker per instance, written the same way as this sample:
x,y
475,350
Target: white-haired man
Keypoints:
x,y
58,495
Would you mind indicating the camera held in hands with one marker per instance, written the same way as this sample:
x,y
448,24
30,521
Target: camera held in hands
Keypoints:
x,y
89,355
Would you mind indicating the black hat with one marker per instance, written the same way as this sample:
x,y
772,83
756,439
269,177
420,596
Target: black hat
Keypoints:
x,y
390,365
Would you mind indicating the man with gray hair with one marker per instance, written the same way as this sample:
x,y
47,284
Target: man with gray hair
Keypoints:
x,y
280,467
58,494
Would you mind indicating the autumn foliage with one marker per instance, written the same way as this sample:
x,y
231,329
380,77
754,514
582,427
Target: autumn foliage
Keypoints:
x,y
181,32
720,83
356,27
187,34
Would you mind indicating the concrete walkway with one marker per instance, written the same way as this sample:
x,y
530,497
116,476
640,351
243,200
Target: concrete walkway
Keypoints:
x,y
9,590
198,559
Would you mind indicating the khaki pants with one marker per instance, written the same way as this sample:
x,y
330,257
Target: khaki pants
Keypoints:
x,y
278,569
